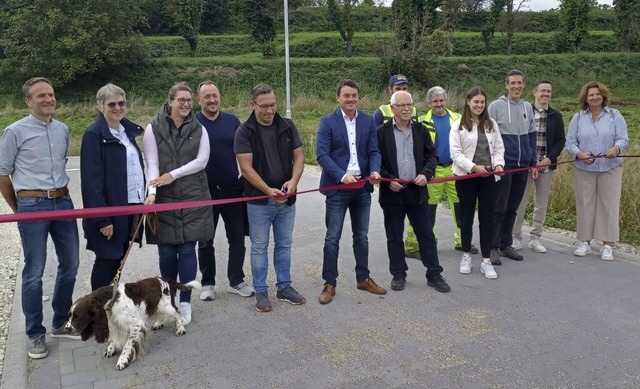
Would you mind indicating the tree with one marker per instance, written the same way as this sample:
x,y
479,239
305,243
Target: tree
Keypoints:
x,y
64,40
574,23
410,21
215,16
187,17
261,18
491,21
339,13
513,7
627,24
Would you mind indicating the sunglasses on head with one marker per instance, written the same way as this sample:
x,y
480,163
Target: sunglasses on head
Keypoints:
x,y
120,104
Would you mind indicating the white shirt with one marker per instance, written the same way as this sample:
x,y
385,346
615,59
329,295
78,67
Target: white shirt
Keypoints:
x,y
353,168
135,178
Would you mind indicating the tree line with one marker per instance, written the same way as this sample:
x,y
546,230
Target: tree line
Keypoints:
x,y
67,40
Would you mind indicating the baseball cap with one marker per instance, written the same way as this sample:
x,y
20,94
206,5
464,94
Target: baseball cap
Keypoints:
x,y
398,79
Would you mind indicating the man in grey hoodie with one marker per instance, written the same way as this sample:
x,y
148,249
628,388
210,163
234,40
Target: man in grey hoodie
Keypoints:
x,y
515,119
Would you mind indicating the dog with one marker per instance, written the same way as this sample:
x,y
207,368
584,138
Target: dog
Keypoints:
x,y
125,325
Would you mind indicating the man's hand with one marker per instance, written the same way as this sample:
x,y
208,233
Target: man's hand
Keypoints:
x,y
349,179
107,231
420,180
533,172
544,164
375,178
395,186
278,196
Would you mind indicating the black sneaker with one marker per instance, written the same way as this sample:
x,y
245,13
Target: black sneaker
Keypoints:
x,y
495,257
510,252
473,250
398,283
290,295
439,284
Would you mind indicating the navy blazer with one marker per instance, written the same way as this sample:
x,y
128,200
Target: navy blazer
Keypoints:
x,y
103,172
332,148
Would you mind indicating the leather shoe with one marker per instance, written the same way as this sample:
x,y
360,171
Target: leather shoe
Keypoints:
x,y
439,284
495,257
371,286
327,294
398,283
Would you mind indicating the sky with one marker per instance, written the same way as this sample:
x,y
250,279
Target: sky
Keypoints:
x,y
541,5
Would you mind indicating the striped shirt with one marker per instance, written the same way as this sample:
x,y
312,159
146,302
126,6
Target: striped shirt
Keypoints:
x,y
597,137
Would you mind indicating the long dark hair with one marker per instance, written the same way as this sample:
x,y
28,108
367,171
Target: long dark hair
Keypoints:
x,y
484,119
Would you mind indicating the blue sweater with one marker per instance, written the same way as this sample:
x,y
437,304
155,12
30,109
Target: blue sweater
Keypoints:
x,y
518,130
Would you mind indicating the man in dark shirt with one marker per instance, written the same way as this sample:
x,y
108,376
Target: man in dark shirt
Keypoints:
x,y
224,183
269,151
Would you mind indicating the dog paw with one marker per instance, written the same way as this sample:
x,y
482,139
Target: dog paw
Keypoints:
x,y
180,331
157,325
109,351
122,364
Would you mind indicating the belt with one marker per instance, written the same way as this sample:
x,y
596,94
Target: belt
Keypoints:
x,y
445,164
50,194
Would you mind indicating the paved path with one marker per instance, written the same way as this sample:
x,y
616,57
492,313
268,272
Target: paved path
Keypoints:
x,y
553,320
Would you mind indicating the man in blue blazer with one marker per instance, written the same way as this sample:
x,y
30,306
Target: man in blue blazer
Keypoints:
x,y
347,150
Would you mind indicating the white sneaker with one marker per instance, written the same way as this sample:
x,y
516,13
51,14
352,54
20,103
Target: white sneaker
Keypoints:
x,y
486,268
242,289
606,254
465,264
536,246
516,244
207,293
185,311
582,250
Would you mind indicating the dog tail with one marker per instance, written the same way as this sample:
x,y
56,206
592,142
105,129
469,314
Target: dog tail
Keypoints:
x,y
189,285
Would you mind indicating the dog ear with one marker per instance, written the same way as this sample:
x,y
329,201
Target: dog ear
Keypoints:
x,y
100,323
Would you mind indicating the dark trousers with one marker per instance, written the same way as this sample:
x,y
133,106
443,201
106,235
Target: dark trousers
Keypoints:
x,y
420,219
482,191
509,193
234,216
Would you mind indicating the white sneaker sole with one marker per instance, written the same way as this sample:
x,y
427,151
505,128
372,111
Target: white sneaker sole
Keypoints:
x,y
606,257
544,250
489,276
581,254
465,271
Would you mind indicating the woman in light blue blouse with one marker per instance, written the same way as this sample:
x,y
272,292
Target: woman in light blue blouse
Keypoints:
x,y
597,130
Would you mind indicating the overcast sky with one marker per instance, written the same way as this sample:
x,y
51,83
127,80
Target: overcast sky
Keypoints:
x,y
540,5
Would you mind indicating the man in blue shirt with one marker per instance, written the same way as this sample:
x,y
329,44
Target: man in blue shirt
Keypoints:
x,y
224,183
33,156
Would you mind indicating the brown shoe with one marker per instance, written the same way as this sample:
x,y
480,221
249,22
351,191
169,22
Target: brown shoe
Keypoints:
x,y
371,286
327,294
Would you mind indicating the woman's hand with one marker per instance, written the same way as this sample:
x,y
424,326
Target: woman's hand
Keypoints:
x,y
585,157
151,199
613,152
479,169
107,231
163,180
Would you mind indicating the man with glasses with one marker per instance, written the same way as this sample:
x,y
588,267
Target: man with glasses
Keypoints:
x,y
269,151
347,150
224,183
33,156
408,154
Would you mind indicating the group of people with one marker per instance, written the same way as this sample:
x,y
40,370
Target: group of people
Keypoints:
x,y
493,155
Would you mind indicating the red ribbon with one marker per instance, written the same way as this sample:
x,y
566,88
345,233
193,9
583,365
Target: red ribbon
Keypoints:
x,y
135,209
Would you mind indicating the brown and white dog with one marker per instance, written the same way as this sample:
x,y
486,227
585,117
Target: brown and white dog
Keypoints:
x,y
136,305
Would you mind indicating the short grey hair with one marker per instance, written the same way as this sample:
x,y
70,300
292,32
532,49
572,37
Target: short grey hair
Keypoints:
x,y
26,88
394,96
513,72
436,91
260,89
108,91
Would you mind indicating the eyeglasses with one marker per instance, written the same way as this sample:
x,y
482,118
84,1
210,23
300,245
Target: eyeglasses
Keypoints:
x,y
120,104
183,101
265,107
410,105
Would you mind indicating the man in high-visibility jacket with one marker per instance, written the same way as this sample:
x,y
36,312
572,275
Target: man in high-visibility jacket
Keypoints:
x,y
397,82
438,120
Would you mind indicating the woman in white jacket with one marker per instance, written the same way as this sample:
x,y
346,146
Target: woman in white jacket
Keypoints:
x,y
476,151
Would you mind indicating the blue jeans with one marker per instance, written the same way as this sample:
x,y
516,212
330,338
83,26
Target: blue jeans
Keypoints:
x,y
261,219
358,202
34,235
179,259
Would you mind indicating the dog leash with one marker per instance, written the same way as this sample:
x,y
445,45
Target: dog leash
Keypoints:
x,y
109,305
